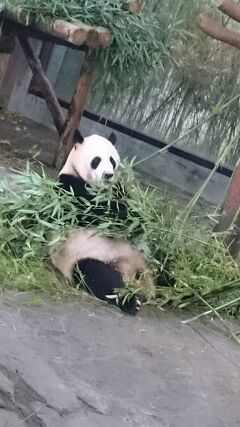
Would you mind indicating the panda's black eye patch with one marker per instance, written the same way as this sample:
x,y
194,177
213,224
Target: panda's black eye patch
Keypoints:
x,y
113,162
95,162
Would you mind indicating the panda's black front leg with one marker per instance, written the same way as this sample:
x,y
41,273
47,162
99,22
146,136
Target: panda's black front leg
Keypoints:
x,y
101,280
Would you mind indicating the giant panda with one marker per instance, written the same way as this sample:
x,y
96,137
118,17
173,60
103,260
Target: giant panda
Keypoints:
x,y
98,263
92,160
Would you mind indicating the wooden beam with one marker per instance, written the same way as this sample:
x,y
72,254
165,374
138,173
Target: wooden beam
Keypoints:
x,y
217,31
43,84
75,33
73,117
35,33
230,8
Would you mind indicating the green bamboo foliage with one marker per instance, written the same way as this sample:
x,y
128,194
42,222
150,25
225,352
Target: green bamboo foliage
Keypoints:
x,y
139,40
161,74
183,247
201,75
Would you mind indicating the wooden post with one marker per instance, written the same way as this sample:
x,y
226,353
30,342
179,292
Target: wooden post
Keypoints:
x,y
231,203
230,215
73,117
43,83
233,241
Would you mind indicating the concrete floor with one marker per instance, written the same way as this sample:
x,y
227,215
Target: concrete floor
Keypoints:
x,y
22,139
88,365
82,364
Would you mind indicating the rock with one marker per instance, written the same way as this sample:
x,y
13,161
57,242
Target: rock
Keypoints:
x,y
82,364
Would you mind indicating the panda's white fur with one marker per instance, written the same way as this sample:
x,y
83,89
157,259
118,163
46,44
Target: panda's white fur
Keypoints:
x,y
82,154
85,243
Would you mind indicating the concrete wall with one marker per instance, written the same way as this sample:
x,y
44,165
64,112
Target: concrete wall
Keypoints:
x,y
168,168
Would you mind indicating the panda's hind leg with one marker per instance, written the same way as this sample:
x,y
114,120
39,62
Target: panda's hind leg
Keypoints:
x,y
100,280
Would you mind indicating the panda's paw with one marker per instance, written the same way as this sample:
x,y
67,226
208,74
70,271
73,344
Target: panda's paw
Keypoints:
x,y
131,306
138,304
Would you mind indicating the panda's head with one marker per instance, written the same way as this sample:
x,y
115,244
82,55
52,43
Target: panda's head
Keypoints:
x,y
94,158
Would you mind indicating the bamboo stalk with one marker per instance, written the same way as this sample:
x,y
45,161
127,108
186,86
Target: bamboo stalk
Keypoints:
x,y
211,311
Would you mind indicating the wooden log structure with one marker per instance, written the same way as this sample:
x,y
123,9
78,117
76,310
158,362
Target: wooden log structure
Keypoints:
x,y
43,84
77,34
230,210
74,35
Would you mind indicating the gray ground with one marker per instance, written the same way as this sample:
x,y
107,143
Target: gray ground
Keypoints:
x,y
87,365
83,364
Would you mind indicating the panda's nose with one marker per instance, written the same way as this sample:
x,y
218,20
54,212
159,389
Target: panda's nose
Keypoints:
x,y
108,176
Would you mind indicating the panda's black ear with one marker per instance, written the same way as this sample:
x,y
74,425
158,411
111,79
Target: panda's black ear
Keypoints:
x,y
77,137
112,138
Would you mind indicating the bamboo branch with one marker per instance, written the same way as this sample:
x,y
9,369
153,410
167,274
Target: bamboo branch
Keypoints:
x,y
217,31
230,8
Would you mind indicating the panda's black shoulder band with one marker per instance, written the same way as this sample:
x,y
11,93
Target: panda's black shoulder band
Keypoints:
x,y
77,137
